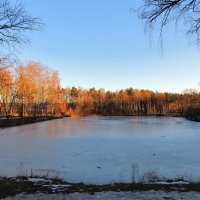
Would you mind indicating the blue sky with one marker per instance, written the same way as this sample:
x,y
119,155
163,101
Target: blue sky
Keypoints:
x,y
100,43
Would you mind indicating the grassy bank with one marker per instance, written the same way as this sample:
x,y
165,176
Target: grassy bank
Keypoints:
x,y
14,186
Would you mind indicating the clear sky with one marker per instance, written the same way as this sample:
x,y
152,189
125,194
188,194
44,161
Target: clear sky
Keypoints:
x,y
101,43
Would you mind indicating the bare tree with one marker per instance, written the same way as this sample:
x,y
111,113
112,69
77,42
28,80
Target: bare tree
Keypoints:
x,y
163,12
14,22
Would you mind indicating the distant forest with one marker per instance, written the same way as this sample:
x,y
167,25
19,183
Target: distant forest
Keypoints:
x,y
35,90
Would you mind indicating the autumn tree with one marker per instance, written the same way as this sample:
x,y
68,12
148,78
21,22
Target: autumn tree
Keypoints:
x,y
3,71
53,96
6,91
38,91
23,89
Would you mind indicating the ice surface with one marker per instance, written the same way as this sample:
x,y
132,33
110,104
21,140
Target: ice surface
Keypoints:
x,y
103,149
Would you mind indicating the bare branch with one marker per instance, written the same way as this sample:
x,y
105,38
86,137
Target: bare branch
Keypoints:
x,y
14,23
166,11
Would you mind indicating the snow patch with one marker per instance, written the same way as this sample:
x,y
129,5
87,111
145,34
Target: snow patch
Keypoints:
x,y
37,180
172,183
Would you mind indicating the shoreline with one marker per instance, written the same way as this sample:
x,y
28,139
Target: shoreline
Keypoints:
x,y
148,115
6,123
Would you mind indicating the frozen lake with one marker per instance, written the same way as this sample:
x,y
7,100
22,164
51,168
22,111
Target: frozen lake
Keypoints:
x,y
103,149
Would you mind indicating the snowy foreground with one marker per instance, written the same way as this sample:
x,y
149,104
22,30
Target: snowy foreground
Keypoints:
x,y
102,150
149,195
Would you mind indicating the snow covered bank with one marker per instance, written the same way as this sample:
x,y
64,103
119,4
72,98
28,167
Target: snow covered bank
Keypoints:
x,y
148,195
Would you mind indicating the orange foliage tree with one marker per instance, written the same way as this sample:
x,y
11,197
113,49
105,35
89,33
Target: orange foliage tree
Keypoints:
x,y
32,90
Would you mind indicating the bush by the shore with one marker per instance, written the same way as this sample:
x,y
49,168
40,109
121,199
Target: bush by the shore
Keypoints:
x,y
193,113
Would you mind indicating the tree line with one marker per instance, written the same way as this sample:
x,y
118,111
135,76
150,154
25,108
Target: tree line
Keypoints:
x,y
34,90
129,102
